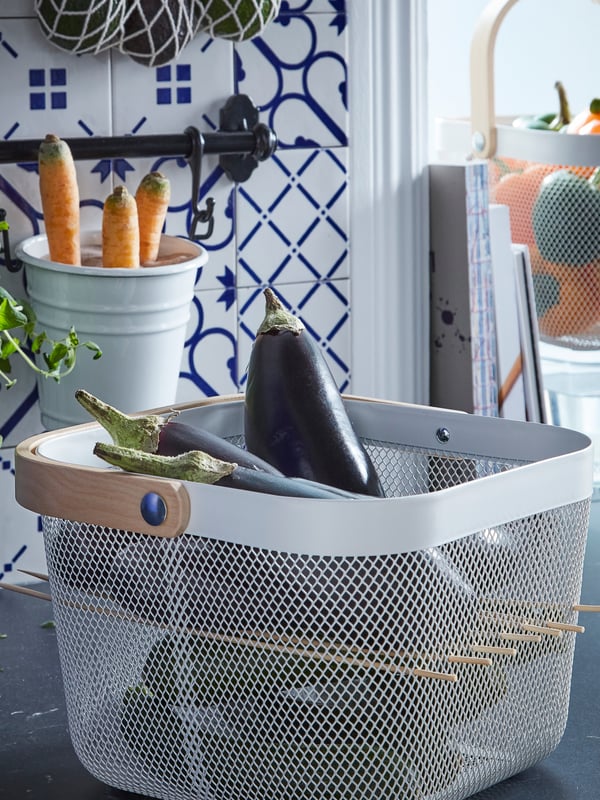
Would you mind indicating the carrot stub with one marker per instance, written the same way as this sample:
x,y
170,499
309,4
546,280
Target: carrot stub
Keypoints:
x,y
60,200
120,232
152,198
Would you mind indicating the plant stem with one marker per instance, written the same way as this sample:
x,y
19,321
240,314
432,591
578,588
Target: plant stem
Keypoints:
x,y
193,466
137,433
277,318
30,363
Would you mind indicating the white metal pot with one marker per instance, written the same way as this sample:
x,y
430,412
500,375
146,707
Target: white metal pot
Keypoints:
x,y
138,317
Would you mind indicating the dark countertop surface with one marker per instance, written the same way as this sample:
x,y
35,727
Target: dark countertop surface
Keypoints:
x,y
37,761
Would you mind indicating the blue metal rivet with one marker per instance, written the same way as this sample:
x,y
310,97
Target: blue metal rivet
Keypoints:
x,y
153,508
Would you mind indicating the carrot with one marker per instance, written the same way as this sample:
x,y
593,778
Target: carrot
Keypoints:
x,y
120,232
60,200
152,198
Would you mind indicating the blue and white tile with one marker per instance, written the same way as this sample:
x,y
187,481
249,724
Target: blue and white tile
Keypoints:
x,y
292,219
21,543
324,308
49,90
20,413
17,8
312,6
296,73
167,99
209,364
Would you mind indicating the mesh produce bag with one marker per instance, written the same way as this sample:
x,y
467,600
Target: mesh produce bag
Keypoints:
x,y
151,32
238,20
156,31
555,211
549,177
81,26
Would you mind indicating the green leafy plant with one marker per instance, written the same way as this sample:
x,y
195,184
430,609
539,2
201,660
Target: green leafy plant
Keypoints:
x,y
19,338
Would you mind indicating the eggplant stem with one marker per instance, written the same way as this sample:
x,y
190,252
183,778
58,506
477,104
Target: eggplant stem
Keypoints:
x,y
277,318
137,433
194,465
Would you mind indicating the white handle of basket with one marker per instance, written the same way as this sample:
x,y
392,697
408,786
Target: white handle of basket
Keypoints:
x,y
483,115
104,497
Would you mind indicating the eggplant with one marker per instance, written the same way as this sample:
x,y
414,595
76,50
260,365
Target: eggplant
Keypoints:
x,y
200,467
294,415
165,436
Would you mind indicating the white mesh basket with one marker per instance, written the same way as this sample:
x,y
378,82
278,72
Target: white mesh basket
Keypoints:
x,y
551,184
405,647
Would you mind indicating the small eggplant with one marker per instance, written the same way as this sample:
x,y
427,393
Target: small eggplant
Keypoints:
x,y
294,414
202,468
165,436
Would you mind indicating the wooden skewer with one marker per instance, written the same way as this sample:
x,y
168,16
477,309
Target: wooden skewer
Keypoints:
x,y
520,637
528,626
492,648
429,673
481,660
25,590
365,664
583,607
566,626
40,575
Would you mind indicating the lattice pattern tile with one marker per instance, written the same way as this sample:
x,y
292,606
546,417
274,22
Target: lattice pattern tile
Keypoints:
x,y
292,219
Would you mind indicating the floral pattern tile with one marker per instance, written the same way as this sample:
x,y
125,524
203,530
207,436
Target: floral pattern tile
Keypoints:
x,y
296,74
292,219
209,363
311,6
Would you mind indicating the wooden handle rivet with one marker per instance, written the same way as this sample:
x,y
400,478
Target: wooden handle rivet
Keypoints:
x,y
153,509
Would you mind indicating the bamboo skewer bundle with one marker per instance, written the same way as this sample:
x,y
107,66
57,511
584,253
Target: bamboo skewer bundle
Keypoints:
x,y
358,657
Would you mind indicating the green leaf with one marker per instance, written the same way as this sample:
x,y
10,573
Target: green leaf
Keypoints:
x,y
7,348
38,341
94,348
11,315
56,355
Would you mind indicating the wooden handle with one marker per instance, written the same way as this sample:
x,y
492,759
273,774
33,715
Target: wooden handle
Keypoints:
x,y
483,114
105,497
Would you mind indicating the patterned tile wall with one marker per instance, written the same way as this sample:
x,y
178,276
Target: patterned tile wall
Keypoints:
x,y
287,226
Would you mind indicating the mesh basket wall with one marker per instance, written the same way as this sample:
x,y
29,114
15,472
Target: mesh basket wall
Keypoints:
x,y
201,668
555,211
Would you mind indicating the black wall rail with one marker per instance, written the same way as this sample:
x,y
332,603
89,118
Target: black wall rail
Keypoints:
x,y
241,143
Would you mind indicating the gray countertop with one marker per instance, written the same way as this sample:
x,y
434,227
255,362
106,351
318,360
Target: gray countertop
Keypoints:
x,y
37,760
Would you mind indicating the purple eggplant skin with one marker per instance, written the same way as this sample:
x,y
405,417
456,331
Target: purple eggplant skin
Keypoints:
x,y
294,415
179,437
254,480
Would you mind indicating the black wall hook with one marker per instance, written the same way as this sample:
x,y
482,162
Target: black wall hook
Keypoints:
x,y
12,265
199,214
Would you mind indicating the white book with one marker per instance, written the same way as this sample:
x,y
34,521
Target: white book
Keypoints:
x,y
530,337
511,389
